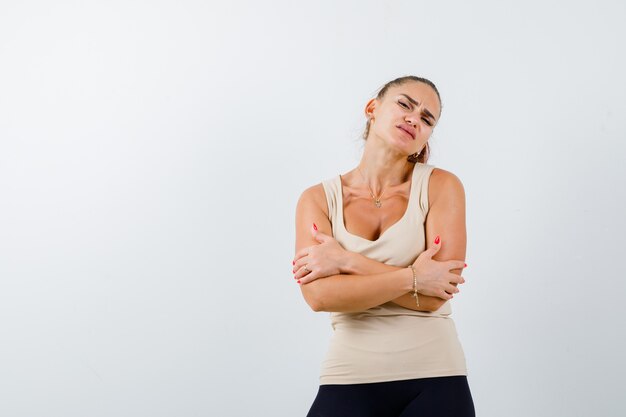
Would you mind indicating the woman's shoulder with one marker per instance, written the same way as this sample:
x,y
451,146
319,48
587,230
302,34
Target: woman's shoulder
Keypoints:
x,y
440,174
314,195
443,182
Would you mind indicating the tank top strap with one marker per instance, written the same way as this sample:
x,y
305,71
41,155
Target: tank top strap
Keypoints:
x,y
421,179
331,189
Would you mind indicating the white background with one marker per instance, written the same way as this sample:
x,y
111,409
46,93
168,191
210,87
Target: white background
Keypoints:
x,y
151,157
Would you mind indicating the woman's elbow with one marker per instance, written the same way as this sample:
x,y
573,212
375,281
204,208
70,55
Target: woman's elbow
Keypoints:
x,y
310,296
438,304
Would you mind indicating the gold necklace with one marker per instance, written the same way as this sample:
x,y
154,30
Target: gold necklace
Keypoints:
x,y
376,200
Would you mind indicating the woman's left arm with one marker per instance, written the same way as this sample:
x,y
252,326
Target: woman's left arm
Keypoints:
x,y
362,265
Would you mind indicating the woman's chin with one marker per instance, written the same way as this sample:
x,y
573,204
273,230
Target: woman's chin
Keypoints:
x,y
400,144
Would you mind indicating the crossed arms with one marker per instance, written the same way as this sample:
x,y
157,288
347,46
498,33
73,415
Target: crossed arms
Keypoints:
x,y
370,283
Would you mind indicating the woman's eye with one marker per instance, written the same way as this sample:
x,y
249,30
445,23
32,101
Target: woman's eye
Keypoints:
x,y
427,121
406,106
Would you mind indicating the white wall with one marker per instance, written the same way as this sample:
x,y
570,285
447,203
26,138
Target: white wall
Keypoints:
x,y
152,153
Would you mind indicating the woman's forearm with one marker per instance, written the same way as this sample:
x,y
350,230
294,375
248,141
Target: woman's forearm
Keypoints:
x,y
358,264
353,293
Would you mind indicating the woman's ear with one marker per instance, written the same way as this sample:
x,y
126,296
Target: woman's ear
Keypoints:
x,y
370,107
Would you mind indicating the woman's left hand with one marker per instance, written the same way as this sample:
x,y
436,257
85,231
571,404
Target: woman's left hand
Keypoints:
x,y
321,260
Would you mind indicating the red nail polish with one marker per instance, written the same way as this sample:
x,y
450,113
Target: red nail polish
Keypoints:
x,y
314,226
294,262
465,265
299,282
437,240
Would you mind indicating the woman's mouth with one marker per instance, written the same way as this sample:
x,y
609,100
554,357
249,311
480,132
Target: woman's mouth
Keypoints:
x,y
406,131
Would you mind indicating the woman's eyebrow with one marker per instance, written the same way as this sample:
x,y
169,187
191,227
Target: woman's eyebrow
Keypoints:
x,y
429,114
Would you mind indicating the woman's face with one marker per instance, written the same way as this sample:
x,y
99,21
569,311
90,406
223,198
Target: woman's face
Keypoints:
x,y
405,117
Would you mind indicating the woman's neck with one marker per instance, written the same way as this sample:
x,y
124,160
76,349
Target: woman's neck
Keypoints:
x,y
382,170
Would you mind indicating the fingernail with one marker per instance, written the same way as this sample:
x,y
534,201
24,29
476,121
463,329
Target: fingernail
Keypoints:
x,y
299,282
314,226
437,240
465,265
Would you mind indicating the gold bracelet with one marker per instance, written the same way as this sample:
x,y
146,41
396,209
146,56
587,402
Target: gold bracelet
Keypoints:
x,y
417,301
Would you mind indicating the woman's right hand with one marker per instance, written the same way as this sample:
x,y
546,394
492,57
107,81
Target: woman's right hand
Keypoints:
x,y
434,277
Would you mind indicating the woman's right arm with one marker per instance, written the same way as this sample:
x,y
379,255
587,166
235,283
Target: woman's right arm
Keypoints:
x,y
342,292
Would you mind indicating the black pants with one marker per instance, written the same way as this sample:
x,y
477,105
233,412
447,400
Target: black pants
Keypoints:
x,y
447,396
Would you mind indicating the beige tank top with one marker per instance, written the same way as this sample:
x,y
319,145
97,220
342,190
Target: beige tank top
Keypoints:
x,y
390,342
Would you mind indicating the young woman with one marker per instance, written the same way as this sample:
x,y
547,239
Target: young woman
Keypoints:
x,y
379,247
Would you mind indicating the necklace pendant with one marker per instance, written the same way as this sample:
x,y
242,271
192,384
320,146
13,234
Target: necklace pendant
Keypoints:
x,y
377,203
